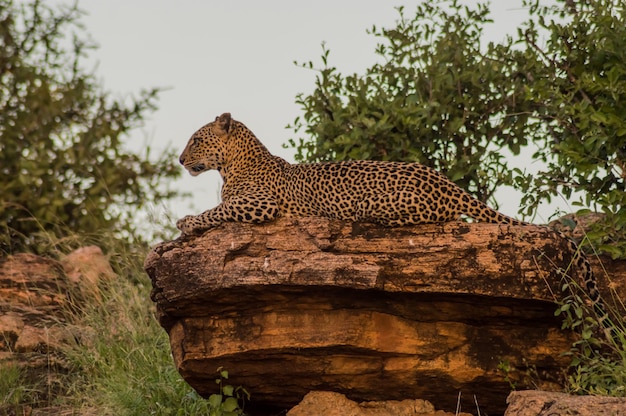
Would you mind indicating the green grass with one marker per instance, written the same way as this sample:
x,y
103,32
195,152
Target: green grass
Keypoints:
x,y
124,364
14,389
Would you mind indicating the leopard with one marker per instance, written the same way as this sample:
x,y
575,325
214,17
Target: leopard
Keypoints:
x,y
259,187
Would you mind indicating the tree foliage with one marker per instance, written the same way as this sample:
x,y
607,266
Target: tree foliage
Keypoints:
x,y
443,97
63,164
438,98
578,98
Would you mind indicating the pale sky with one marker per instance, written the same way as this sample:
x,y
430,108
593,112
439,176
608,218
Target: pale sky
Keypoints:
x,y
237,57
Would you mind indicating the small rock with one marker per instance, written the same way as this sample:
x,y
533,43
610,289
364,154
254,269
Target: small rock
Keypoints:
x,y
540,403
87,267
324,403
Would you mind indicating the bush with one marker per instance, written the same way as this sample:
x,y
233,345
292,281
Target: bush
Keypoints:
x,y
437,99
577,92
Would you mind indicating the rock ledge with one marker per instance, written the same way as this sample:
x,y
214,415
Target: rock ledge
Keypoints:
x,y
374,313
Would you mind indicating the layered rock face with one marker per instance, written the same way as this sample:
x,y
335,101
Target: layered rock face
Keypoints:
x,y
374,313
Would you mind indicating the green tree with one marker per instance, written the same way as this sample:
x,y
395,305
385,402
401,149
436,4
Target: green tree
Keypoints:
x,y
63,165
577,93
439,97
442,98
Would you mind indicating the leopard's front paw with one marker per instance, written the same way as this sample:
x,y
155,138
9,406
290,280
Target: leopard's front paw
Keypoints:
x,y
188,225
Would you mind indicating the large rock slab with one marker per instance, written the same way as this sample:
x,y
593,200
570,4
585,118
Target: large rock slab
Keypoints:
x,y
374,313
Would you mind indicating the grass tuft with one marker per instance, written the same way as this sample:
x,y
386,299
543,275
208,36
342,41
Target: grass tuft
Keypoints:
x,y
598,356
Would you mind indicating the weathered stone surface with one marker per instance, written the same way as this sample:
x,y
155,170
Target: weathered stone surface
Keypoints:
x,y
376,313
324,403
542,403
32,301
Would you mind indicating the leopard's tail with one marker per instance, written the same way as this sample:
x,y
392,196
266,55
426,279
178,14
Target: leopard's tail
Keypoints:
x,y
590,283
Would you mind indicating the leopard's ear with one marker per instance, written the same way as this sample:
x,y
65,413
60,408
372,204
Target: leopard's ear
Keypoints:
x,y
223,122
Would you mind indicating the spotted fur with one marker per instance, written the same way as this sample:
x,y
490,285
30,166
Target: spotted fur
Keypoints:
x,y
259,187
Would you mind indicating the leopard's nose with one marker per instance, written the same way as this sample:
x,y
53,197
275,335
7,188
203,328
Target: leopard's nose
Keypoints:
x,y
181,159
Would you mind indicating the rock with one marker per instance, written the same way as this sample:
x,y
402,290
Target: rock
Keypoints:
x,y
302,304
324,403
538,403
30,280
36,294
87,267
32,298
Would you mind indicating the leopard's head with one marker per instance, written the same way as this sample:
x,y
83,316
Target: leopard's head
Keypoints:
x,y
206,149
